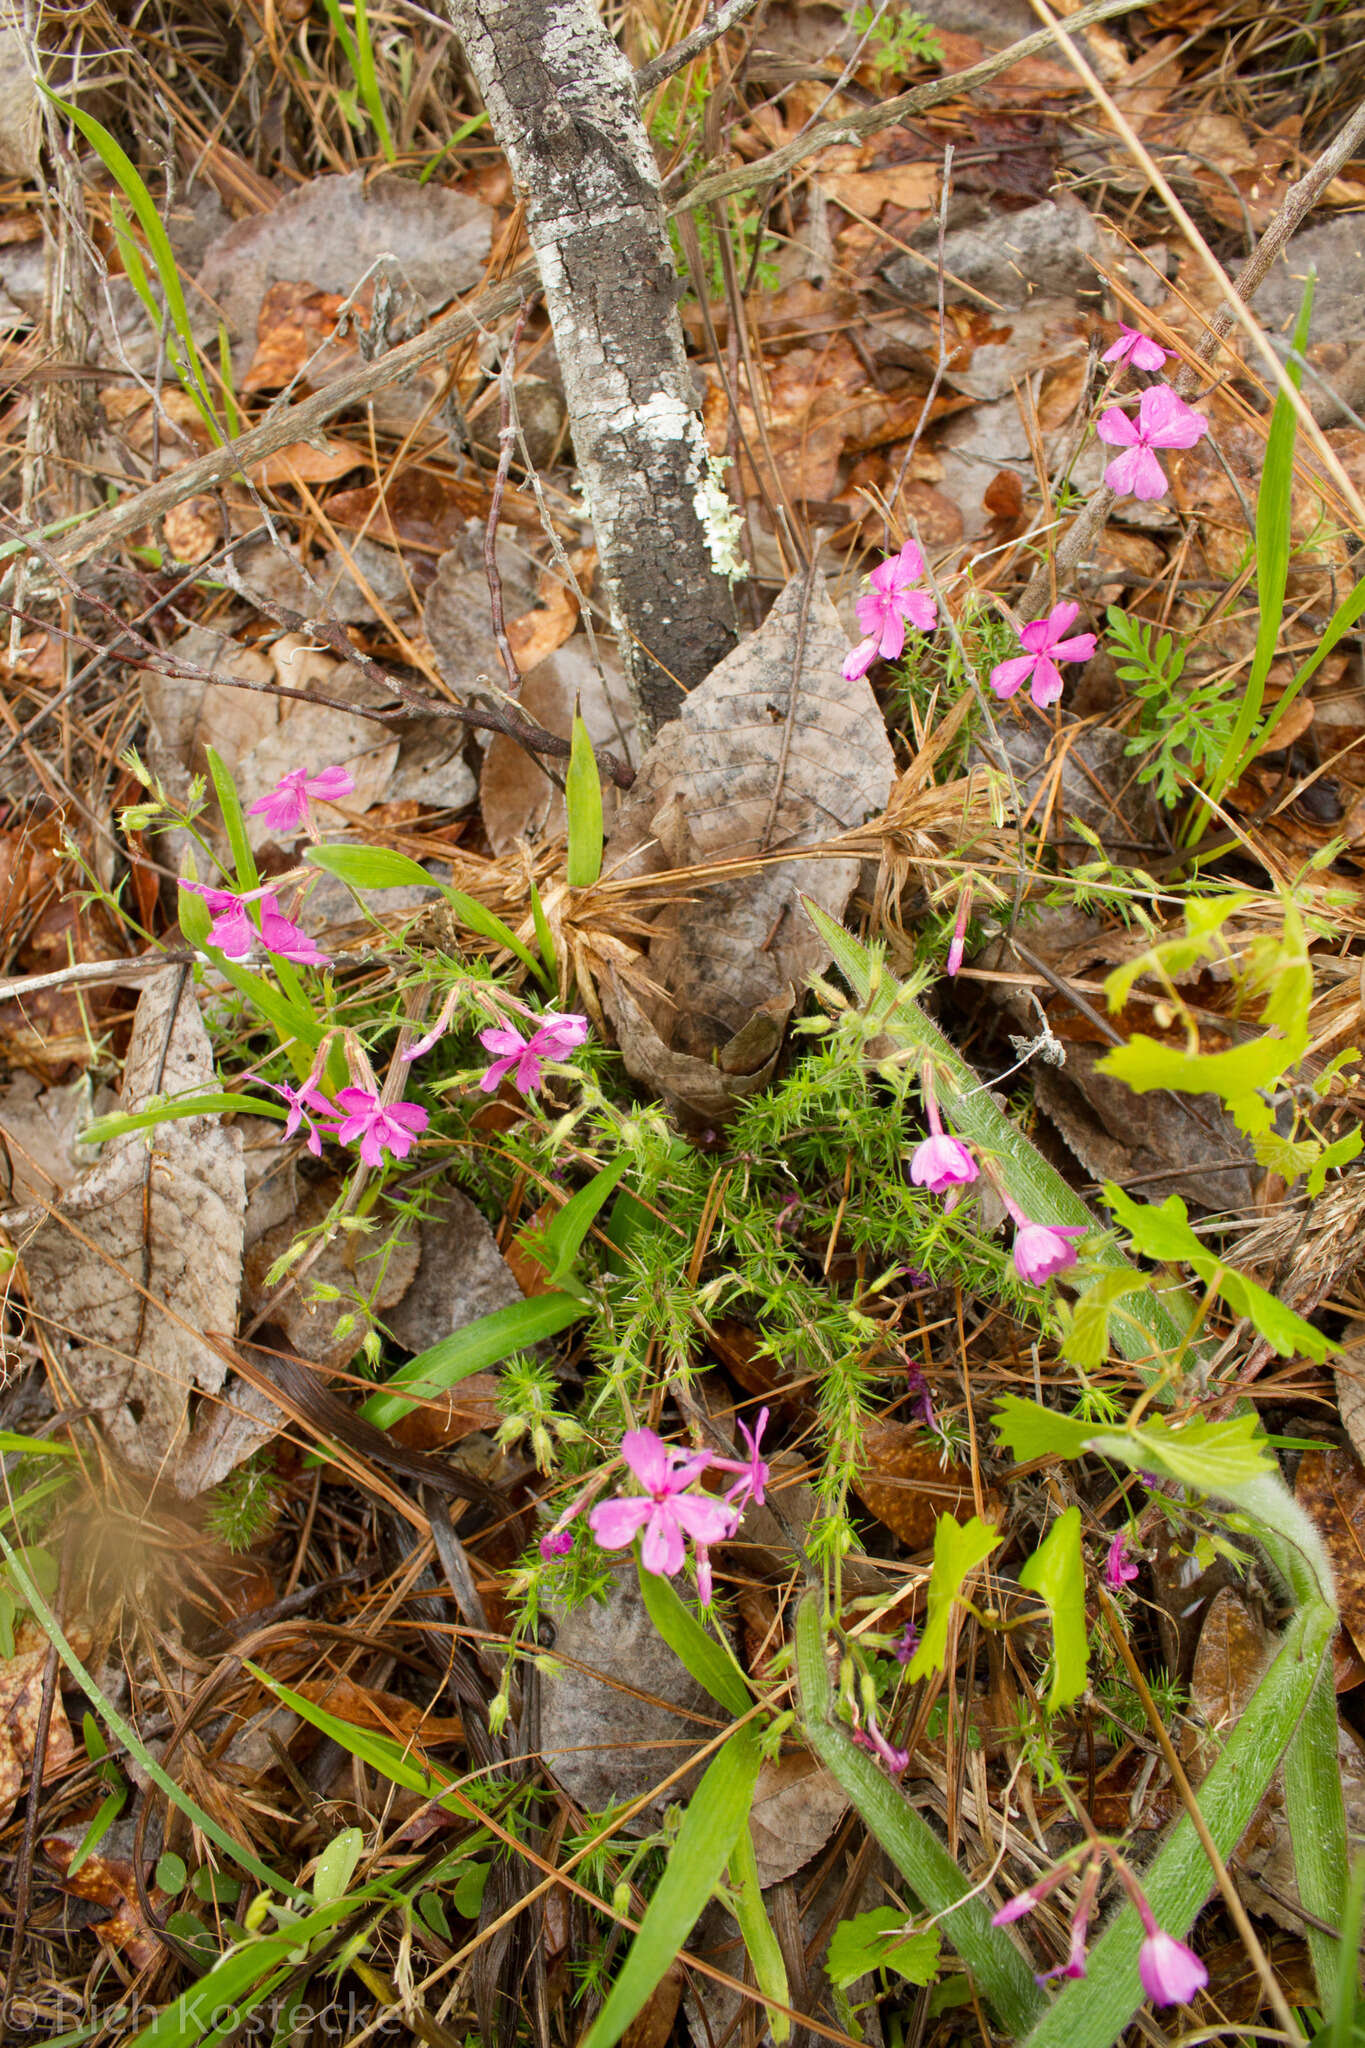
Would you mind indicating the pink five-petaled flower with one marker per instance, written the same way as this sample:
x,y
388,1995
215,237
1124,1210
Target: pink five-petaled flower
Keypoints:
x,y
1119,1568
523,1057
666,1511
233,932
1046,644
1170,1972
299,1102
381,1127
940,1163
753,1472
285,807
883,612
1042,1249
1137,348
1163,421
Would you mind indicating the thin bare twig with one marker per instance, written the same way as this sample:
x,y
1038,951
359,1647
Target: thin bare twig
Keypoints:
x,y
668,62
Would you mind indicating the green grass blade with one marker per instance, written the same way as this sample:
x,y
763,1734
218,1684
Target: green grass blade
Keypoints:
x,y
475,1348
583,801
471,912
234,822
230,1985
1273,519
716,1812
765,1953
545,938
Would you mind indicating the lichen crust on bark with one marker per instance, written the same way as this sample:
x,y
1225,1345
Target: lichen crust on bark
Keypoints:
x,y
562,103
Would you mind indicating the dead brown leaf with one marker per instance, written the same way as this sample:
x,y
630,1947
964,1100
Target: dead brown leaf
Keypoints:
x,y
141,1263
107,1880
796,1807
386,1713
293,323
308,462
21,1696
424,508
775,749
902,1480
1330,1486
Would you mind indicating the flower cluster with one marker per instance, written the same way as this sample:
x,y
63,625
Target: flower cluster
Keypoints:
x,y
357,1114
894,601
1170,1972
234,931
668,1510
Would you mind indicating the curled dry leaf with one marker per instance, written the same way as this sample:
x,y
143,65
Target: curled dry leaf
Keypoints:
x,y
139,1265
776,749
21,1698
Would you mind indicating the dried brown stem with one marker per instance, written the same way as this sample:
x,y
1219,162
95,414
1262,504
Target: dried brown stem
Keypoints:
x,y
507,441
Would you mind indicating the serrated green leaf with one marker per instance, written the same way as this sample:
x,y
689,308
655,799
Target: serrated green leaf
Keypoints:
x,y
368,867
863,1944
1056,1573
1085,1343
1145,1063
1339,1154
959,1547
1029,1431
583,802
1213,1457
716,1812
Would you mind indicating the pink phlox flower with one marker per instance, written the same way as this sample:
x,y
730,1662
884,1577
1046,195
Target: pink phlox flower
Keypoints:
x,y
558,1543
883,612
1025,1901
287,940
233,931
1046,644
1042,1249
381,1127
300,1102
876,1744
1137,348
1170,1972
941,1162
1119,1567
666,1511
1163,421
285,807
752,1470
524,1057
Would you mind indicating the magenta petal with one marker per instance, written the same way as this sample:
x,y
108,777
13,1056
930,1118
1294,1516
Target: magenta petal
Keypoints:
x,y
706,1520
501,1038
893,637
1124,471
1166,421
1115,427
615,1522
1149,478
1079,648
662,1551
859,660
920,609
1046,687
873,611
647,1456
1007,676
910,562
330,784
1060,620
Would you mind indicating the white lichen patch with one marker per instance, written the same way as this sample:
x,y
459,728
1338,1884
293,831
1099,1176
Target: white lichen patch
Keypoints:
x,y
720,519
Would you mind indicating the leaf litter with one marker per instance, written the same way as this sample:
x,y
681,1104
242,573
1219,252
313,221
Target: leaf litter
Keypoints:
x,y
848,378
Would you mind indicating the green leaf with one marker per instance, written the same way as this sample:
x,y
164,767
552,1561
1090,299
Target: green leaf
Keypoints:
x,y
34,1446
711,1663
119,1123
1085,1343
234,823
716,1812
1214,1457
861,1945
764,1949
482,921
1029,1431
1145,1063
111,1806
1339,1154
959,1547
561,1239
239,1982
1056,1573
583,801
193,913
368,867
1164,1233
171,1874
336,1866
545,938
475,1348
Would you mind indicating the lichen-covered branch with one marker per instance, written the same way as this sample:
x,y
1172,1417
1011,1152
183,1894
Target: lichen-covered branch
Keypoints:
x,y
563,105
